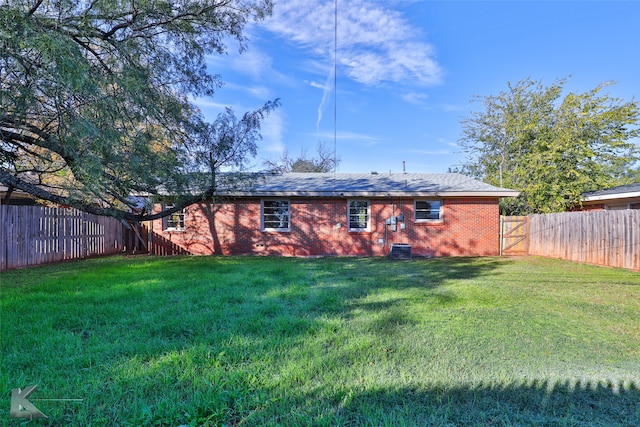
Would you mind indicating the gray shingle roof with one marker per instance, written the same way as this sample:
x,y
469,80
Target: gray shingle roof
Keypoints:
x,y
613,192
373,185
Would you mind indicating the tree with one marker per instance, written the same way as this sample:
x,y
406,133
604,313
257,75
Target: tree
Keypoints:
x,y
551,149
325,161
632,175
96,100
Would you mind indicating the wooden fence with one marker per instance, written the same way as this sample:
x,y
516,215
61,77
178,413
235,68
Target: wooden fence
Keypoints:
x,y
514,233
159,245
33,235
609,238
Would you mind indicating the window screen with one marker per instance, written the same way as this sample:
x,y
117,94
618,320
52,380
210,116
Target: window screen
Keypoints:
x,y
428,209
358,215
275,214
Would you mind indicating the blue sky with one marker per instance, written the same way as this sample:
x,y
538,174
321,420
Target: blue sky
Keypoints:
x,y
408,71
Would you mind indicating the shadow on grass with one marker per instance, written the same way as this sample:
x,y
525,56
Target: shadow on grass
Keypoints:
x,y
229,341
379,285
382,273
545,403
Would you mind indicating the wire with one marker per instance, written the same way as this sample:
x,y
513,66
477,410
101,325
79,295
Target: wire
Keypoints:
x,y
335,87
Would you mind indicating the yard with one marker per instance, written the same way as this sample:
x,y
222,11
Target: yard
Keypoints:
x,y
335,341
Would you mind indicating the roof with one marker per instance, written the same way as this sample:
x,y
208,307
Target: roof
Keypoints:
x,y
16,195
619,192
372,185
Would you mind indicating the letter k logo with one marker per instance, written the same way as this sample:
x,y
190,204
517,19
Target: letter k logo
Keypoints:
x,y
21,407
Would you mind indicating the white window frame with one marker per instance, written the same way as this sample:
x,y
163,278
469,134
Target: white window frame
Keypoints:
x,y
350,215
169,223
427,220
286,215
613,207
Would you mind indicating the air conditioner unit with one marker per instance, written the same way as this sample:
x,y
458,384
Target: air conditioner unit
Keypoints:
x,y
400,251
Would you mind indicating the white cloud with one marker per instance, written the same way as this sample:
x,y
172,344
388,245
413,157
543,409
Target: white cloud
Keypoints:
x,y
251,62
325,95
259,92
209,104
451,108
272,131
375,43
430,152
271,128
317,85
417,98
349,136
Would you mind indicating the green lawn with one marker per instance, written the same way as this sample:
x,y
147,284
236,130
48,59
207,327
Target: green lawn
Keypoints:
x,y
337,342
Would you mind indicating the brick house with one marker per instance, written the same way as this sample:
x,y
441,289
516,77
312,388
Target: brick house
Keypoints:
x,y
615,198
323,214
15,197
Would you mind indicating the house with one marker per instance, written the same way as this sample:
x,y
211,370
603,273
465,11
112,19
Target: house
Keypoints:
x,y
10,196
615,198
322,214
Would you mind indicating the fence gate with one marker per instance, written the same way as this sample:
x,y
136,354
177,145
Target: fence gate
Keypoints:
x,y
513,235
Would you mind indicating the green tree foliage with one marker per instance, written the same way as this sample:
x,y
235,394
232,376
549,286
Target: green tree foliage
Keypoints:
x,y
633,175
551,148
324,161
96,99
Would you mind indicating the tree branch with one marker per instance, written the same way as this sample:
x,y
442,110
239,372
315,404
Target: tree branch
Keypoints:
x,y
35,7
40,193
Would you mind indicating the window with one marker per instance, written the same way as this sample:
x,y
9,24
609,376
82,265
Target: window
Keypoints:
x,y
276,215
615,207
175,221
428,210
359,215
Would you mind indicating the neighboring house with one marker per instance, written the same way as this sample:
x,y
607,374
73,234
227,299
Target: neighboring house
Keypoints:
x,y
321,214
621,197
15,197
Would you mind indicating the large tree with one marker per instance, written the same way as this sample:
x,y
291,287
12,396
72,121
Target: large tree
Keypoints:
x,y
551,148
96,100
324,161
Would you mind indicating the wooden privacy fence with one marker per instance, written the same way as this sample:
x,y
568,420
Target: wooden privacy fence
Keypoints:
x,y
159,245
514,232
32,235
609,238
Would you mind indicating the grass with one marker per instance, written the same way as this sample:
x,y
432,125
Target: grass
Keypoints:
x,y
149,341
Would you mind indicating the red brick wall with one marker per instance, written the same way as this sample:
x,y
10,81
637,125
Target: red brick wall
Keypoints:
x,y
470,226
594,207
